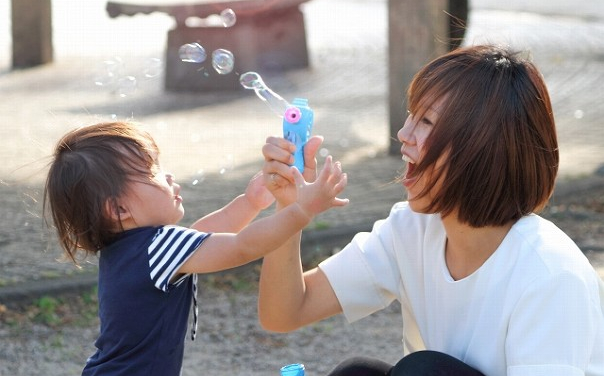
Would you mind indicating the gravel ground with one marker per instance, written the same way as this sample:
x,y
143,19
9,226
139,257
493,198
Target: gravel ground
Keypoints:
x,y
54,336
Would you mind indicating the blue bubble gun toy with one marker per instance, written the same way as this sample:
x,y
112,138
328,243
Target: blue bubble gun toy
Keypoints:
x,y
297,127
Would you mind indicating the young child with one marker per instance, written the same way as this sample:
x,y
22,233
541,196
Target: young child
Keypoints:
x,y
108,196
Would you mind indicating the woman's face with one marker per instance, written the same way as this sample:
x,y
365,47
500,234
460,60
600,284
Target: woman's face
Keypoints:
x,y
413,135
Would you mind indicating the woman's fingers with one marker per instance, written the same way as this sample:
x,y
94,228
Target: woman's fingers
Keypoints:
x,y
278,149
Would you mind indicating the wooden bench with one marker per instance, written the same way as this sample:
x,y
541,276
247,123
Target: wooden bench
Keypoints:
x,y
269,35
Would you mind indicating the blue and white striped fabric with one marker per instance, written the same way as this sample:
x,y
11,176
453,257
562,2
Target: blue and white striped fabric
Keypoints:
x,y
170,248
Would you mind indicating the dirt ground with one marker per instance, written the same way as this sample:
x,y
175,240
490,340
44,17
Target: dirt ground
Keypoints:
x,y
53,336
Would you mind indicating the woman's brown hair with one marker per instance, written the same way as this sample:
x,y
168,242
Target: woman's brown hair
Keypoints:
x,y
496,130
91,168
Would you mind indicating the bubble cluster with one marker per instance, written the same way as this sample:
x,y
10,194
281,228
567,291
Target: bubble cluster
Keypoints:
x,y
253,81
113,75
223,61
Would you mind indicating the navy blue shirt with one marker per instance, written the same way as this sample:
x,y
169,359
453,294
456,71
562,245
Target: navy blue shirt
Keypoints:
x,y
143,305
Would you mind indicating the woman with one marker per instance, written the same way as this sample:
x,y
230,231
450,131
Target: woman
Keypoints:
x,y
486,286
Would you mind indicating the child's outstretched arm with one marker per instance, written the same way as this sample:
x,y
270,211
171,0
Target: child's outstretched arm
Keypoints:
x,y
227,250
240,212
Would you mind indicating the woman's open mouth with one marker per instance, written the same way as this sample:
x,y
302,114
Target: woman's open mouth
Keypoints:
x,y
409,179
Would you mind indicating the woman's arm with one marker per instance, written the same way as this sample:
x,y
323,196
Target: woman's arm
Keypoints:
x,y
288,298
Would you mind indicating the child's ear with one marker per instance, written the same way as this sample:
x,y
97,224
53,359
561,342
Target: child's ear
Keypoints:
x,y
115,211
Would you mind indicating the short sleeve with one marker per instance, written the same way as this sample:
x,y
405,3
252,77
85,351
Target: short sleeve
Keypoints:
x,y
363,275
170,248
554,327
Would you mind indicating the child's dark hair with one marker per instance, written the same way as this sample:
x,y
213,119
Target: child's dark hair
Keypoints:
x,y
91,168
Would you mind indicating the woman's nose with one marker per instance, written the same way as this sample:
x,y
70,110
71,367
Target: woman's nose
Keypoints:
x,y
404,134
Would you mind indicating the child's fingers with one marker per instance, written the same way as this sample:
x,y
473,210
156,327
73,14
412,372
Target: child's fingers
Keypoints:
x,y
327,169
340,202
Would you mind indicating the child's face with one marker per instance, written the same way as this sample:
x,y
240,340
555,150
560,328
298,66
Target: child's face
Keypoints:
x,y
153,203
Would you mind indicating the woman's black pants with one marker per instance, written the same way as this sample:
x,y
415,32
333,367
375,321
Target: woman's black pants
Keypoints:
x,y
421,363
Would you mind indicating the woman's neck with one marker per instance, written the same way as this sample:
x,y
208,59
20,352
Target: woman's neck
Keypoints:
x,y
468,248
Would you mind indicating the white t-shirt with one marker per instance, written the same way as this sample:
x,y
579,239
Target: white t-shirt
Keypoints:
x,y
533,308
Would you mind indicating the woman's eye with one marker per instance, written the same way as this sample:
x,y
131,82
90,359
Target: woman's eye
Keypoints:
x,y
427,121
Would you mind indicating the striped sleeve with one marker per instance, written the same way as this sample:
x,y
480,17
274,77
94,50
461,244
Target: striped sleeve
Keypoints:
x,y
170,248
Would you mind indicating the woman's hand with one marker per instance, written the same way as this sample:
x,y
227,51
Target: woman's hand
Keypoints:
x,y
277,172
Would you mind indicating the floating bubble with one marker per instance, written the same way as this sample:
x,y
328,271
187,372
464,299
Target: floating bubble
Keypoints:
x,y
126,86
223,61
192,53
578,114
104,79
199,177
324,152
153,67
229,165
228,17
108,72
252,80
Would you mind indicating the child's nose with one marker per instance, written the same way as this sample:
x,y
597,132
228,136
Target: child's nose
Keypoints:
x,y
170,178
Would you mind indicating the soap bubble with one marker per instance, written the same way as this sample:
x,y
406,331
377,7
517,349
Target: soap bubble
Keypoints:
x,y
126,86
228,17
252,80
199,177
192,53
578,114
108,72
323,152
229,164
153,67
223,61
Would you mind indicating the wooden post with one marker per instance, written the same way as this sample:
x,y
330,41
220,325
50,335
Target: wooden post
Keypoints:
x,y
31,32
417,32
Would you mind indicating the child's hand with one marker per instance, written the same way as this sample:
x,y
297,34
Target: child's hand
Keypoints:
x,y
257,194
321,195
